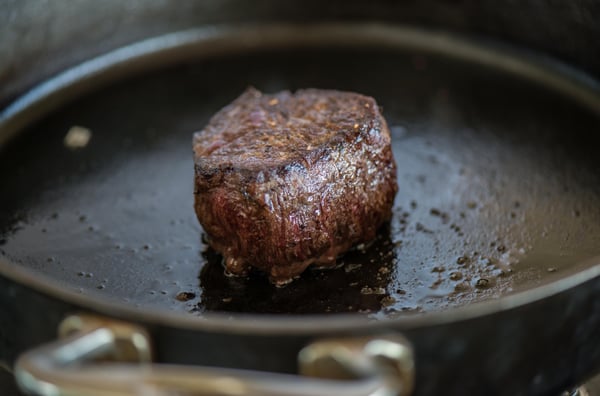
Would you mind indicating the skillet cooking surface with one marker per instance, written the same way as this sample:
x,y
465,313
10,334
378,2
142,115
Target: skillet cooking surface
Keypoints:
x,y
499,184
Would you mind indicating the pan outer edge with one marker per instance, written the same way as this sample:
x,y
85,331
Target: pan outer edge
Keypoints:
x,y
118,63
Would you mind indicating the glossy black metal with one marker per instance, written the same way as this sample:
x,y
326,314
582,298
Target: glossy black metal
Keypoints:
x,y
528,153
514,352
41,34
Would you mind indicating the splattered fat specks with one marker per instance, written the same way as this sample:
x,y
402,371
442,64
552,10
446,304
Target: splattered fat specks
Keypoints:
x,y
498,188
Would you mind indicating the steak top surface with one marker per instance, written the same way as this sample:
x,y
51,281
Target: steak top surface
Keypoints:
x,y
286,180
257,131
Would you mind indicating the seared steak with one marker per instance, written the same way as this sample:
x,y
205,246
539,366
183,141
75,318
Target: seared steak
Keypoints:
x,y
287,180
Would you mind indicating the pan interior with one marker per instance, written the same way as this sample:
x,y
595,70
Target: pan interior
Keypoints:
x,y
499,184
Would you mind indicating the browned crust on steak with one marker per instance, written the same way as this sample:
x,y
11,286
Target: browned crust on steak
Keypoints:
x,y
286,180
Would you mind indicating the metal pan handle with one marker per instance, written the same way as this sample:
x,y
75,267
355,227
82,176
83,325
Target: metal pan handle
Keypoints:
x,y
101,357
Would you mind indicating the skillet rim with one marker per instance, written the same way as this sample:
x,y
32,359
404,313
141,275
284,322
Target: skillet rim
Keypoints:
x,y
124,60
285,324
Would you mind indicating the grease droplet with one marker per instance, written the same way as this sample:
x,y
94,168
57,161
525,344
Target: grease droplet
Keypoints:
x,y
185,296
462,260
482,283
456,276
351,267
388,301
375,290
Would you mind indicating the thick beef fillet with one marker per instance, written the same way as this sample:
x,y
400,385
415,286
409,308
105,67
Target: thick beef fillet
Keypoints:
x,y
287,180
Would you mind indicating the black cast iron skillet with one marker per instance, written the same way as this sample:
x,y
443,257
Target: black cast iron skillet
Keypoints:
x,y
488,266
